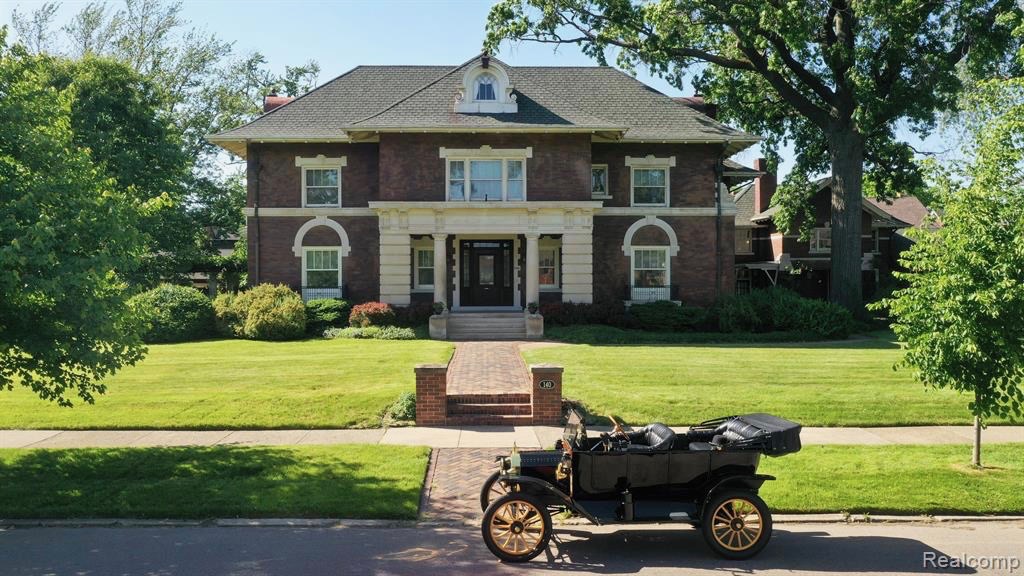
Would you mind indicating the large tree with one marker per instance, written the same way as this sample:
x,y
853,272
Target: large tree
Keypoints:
x,y
68,235
961,314
835,78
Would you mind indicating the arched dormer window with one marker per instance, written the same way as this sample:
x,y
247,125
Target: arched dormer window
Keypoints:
x,y
485,89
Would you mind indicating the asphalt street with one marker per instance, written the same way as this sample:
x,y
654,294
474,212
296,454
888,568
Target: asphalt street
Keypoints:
x,y
802,549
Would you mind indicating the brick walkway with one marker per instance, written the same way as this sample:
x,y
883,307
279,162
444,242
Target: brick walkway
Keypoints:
x,y
487,368
454,479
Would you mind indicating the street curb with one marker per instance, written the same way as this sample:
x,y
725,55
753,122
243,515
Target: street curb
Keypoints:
x,y
356,523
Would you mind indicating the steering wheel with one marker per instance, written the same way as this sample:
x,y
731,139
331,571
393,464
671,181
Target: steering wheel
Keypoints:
x,y
617,428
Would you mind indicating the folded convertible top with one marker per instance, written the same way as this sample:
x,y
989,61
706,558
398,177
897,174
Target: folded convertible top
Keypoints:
x,y
771,435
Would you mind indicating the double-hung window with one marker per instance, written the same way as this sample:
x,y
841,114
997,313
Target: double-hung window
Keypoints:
x,y
649,182
650,274
486,175
321,181
424,270
744,240
548,266
321,273
821,240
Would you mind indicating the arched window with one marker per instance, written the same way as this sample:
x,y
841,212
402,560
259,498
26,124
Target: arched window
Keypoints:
x,y
486,85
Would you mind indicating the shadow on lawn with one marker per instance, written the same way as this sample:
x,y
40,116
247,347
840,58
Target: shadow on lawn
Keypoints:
x,y
201,482
621,338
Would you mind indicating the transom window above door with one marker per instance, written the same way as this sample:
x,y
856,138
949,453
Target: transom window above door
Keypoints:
x,y
493,176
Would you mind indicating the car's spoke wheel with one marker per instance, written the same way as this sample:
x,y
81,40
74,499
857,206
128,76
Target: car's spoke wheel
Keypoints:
x,y
516,527
736,524
494,487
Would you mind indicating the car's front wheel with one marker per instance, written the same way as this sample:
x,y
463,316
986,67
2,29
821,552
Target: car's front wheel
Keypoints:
x,y
736,524
516,527
495,487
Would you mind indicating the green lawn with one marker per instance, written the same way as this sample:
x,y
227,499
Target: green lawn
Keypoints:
x,y
351,481
242,384
849,383
896,480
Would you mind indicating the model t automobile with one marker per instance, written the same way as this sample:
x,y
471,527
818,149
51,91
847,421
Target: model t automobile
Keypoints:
x,y
706,477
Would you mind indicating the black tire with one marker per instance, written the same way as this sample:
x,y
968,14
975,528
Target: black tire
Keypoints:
x,y
516,517
492,490
736,524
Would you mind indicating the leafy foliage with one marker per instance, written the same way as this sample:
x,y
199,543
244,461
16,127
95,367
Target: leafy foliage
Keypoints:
x,y
834,79
666,316
372,333
961,315
68,235
781,310
173,314
325,313
264,312
402,410
371,314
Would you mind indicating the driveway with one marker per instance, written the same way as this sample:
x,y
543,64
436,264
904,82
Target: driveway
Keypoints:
x,y
801,549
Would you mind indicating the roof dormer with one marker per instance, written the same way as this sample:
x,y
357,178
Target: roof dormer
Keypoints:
x,y
486,89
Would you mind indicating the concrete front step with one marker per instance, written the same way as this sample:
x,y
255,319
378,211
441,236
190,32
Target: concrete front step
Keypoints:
x,y
490,409
487,326
488,420
503,398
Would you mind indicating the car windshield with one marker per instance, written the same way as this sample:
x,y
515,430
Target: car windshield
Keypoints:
x,y
575,433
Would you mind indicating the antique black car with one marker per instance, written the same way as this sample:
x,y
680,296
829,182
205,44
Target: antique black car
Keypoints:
x,y
706,477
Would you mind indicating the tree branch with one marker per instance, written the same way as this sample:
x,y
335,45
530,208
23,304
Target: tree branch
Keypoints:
x,y
805,76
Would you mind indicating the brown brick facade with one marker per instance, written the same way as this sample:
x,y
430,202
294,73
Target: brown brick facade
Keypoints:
x,y
280,180
691,181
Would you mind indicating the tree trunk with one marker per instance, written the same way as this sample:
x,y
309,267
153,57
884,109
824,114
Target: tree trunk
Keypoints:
x,y
846,148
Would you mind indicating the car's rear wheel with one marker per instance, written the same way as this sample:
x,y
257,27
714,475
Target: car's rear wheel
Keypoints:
x,y
736,524
493,489
516,527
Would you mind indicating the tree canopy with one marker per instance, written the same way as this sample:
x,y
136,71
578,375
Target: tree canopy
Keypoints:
x,y
835,79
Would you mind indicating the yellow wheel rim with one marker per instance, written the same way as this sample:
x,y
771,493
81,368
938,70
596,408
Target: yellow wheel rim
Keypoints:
x,y
517,527
737,524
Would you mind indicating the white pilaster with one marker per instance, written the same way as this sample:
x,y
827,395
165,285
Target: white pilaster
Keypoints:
x,y
532,269
395,268
578,267
440,268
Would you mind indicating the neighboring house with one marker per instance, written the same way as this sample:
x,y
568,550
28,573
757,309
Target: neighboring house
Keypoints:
x,y
767,257
488,186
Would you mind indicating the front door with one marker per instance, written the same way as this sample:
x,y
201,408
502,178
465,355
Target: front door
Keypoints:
x,y
487,273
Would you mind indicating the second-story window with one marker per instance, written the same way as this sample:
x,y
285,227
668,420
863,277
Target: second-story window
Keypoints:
x,y
821,240
744,241
599,180
485,180
321,180
486,174
649,180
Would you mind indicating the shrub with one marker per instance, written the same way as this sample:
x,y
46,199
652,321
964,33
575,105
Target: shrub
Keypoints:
x,y
779,309
372,333
665,316
225,316
372,314
402,409
325,313
267,312
413,315
174,314
571,313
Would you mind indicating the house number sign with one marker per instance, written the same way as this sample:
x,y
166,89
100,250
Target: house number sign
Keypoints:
x,y
546,384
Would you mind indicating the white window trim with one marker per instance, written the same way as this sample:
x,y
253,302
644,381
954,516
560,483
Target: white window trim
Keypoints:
x,y
607,184
557,247
341,264
650,162
484,153
505,100
417,248
632,263
749,233
321,162
813,248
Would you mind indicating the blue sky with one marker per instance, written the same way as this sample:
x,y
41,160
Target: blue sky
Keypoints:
x,y
342,34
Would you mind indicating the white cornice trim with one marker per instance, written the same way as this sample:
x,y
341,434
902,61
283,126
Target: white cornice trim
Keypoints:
x,y
527,205
250,212
650,161
663,211
321,161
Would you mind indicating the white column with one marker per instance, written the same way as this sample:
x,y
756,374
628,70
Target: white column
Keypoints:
x,y
395,268
440,268
578,267
532,269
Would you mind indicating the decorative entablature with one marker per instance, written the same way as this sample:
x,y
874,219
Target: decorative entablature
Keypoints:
x,y
485,217
486,89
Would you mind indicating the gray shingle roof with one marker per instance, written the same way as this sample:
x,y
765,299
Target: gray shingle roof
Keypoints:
x,y
744,199
372,98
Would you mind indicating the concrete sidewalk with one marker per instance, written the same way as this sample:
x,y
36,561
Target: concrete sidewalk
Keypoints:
x,y
456,437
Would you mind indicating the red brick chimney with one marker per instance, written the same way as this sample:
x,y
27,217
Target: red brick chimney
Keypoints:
x,y
271,101
764,186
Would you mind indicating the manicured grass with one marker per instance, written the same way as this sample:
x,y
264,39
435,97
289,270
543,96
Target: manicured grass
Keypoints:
x,y
599,334
351,481
896,480
242,384
848,383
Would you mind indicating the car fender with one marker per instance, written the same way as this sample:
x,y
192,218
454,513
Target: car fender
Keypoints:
x,y
549,494
751,482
